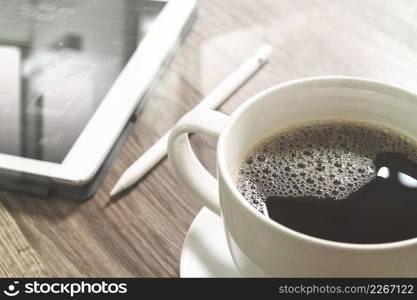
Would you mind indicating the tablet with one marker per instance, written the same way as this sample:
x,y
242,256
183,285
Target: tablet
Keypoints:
x,y
72,73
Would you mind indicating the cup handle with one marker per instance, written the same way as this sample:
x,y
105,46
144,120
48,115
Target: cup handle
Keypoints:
x,y
189,169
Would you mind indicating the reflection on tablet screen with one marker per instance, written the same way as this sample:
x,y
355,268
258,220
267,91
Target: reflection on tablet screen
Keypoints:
x,y
58,60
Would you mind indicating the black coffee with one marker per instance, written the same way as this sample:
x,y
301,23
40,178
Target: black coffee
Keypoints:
x,y
338,180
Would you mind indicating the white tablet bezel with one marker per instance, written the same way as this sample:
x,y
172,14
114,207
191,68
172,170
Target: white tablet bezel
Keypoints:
x,y
96,140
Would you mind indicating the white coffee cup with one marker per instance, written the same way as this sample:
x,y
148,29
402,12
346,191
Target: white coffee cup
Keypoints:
x,y
258,245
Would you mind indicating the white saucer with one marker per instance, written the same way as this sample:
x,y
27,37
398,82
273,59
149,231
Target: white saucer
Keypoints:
x,y
205,252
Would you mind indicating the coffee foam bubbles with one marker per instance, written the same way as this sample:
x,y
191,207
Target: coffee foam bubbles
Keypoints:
x,y
324,159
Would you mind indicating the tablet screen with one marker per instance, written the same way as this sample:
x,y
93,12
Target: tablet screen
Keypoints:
x,y
58,59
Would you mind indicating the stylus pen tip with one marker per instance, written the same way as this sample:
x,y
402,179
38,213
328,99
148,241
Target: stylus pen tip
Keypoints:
x,y
116,189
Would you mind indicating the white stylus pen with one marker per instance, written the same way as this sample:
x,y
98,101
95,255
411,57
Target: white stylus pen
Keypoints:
x,y
158,151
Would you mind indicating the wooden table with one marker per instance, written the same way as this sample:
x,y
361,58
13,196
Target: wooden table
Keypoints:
x,y
141,234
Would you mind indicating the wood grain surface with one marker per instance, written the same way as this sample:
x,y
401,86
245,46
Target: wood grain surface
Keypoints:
x,y
141,233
